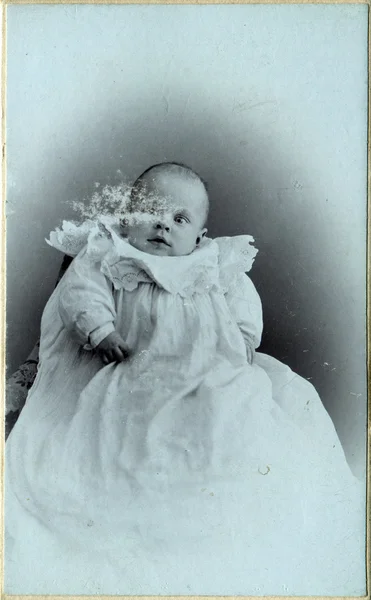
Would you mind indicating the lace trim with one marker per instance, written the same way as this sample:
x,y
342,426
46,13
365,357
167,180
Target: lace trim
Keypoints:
x,y
127,280
215,264
123,275
202,283
236,255
71,238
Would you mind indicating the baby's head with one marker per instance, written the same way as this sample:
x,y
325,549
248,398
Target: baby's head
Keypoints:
x,y
167,210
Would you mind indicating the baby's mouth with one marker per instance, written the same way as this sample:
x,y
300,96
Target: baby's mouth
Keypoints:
x,y
159,240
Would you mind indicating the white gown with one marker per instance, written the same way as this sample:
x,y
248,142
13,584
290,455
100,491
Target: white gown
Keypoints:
x,y
184,470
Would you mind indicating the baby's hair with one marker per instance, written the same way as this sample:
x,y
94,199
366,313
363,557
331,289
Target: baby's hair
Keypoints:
x,y
172,167
176,167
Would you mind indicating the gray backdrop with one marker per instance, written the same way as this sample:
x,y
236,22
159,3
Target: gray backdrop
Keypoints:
x,y
268,103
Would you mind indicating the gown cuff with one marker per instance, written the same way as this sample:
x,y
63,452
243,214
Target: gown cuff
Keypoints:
x,y
98,335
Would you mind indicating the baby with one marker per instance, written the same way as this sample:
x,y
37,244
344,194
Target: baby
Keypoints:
x,y
176,200
180,466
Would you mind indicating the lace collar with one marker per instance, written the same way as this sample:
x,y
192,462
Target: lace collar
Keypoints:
x,y
214,264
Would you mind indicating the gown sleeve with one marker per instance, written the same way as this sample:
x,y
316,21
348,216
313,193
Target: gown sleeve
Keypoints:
x,y
245,305
86,303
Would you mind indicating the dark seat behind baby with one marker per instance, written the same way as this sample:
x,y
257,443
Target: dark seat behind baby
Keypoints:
x,y
20,382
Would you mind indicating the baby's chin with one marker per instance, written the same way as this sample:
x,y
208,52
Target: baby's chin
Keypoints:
x,y
160,251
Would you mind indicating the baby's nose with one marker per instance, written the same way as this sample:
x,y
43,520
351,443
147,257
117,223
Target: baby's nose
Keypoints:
x,y
162,225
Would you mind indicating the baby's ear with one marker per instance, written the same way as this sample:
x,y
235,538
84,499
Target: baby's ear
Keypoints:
x,y
201,236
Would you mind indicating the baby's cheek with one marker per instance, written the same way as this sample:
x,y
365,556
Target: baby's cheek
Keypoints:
x,y
186,244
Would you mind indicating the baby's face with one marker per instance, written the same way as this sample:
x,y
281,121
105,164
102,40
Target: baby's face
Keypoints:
x,y
168,220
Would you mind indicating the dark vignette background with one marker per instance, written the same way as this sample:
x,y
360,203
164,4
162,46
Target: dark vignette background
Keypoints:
x,y
268,103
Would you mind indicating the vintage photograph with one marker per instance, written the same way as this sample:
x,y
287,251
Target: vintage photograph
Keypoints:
x,y
186,383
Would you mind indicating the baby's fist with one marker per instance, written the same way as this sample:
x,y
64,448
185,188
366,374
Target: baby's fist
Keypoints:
x,y
113,348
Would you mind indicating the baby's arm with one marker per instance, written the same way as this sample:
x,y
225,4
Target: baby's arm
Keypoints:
x,y
87,309
245,305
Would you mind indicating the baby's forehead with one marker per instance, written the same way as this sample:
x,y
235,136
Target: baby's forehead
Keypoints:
x,y
167,180
170,190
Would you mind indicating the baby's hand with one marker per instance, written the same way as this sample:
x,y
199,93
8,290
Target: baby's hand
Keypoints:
x,y
113,348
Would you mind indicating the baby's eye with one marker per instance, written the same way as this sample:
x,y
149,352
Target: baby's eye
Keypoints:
x,y
180,219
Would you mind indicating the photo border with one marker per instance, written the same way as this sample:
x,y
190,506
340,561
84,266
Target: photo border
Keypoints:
x,y
4,5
